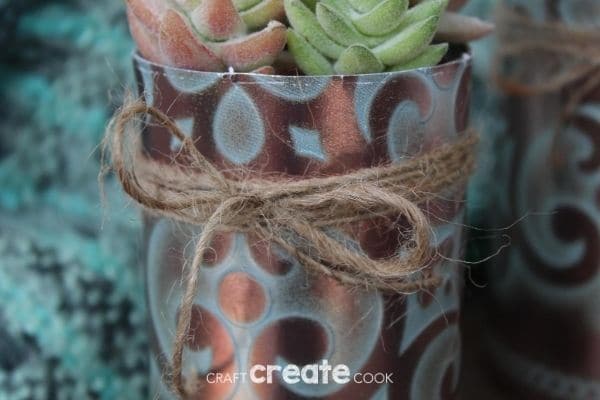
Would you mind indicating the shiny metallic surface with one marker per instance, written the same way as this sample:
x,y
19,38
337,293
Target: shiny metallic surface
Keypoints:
x,y
256,304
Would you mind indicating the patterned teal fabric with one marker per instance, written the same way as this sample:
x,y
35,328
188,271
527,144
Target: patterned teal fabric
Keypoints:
x,y
71,303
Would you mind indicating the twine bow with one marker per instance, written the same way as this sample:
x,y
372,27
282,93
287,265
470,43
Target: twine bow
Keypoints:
x,y
294,214
572,55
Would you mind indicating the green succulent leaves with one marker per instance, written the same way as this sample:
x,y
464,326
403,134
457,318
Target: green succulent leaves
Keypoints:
x,y
308,58
357,59
408,43
363,36
257,13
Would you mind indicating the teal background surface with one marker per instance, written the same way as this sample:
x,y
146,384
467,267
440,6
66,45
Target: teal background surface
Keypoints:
x,y
72,319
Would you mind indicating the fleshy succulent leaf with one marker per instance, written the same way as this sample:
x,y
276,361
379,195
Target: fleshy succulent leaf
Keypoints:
x,y
421,11
305,23
456,28
408,43
148,13
216,20
342,6
432,55
358,59
311,3
255,50
309,59
260,14
364,5
145,39
382,19
337,27
182,48
244,5
266,70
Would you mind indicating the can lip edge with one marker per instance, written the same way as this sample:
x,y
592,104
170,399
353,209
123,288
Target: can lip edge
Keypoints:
x,y
463,57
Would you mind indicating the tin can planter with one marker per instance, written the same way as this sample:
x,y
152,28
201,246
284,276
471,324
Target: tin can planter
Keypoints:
x,y
544,311
256,305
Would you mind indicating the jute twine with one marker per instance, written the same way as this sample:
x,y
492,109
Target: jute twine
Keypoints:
x,y
575,54
293,214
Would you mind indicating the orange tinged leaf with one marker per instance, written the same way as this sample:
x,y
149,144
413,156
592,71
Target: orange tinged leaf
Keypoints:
x,y
457,28
148,12
182,48
266,70
217,19
147,42
255,50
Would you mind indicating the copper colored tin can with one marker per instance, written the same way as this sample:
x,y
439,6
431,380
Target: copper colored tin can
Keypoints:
x,y
544,313
256,304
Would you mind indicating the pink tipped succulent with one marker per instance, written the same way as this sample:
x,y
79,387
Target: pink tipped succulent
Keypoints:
x,y
209,35
458,28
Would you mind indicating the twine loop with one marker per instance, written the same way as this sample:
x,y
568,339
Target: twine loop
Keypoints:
x,y
297,215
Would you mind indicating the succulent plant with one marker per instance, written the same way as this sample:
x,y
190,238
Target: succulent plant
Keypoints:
x,y
363,36
209,35
326,36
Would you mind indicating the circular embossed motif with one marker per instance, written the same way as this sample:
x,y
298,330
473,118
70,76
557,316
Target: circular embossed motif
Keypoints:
x,y
241,298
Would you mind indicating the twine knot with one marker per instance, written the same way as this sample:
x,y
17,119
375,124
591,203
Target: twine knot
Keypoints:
x,y
297,215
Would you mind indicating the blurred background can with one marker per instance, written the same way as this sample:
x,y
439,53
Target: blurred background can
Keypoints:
x,y
256,305
544,309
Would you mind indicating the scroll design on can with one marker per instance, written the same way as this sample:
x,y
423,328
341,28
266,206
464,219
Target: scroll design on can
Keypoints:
x,y
320,321
554,264
331,126
547,282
